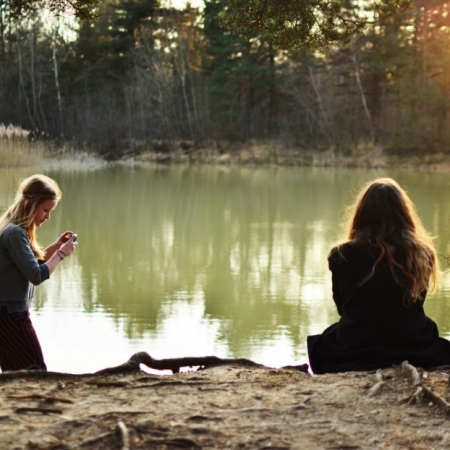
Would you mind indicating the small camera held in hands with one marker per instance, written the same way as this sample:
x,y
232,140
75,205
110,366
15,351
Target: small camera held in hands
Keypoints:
x,y
70,236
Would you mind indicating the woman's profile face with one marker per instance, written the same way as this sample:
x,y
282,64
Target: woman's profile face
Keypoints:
x,y
43,211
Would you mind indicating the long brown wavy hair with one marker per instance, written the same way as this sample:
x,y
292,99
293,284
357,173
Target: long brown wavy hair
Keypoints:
x,y
384,216
31,192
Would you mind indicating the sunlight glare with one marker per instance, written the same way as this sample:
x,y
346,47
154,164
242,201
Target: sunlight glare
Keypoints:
x,y
180,4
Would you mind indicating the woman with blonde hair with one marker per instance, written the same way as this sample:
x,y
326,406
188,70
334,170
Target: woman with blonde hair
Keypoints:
x,y
381,274
23,265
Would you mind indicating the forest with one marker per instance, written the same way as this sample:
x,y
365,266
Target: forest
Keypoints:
x,y
139,74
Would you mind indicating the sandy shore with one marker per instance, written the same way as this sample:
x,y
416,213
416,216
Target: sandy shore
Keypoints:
x,y
226,407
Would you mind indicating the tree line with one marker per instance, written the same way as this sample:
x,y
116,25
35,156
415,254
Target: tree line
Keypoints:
x,y
138,74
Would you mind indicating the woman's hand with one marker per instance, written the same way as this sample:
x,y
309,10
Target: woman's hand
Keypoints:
x,y
69,245
55,246
64,238
62,250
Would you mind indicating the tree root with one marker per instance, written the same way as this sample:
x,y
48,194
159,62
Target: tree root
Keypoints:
x,y
46,398
95,440
422,390
174,364
133,365
122,431
440,401
412,372
176,442
39,410
375,389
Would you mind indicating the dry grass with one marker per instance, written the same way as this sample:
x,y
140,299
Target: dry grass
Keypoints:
x,y
16,150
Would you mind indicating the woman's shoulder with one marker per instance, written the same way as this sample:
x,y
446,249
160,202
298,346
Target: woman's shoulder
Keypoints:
x,y
13,229
347,248
350,251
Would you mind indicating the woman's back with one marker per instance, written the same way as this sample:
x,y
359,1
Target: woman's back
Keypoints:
x,y
381,274
376,312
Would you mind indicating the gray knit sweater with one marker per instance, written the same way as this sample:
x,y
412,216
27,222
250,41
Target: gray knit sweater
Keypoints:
x,y
20,270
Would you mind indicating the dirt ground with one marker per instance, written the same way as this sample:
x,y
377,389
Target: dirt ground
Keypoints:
x,y
229,406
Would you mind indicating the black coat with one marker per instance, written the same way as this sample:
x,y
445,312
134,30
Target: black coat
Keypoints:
x,y
378,326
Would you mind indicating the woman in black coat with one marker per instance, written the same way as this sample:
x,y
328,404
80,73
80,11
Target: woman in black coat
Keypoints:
x,y
381,275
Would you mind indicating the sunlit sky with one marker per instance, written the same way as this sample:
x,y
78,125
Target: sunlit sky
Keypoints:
x,y
182,3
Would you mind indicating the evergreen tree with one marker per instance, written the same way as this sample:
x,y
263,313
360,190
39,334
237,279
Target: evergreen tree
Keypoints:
x,y
101,63
241,76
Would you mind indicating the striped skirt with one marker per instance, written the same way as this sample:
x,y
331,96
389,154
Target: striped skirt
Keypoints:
x,y
19,345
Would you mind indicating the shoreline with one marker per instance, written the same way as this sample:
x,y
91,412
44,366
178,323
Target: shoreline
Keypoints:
x,y
262,156
231,406
225,155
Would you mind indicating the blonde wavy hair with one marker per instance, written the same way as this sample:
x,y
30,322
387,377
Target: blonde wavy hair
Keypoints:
x,y
31,192
384,216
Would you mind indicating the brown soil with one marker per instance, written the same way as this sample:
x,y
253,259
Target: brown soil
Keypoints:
x,y
226,407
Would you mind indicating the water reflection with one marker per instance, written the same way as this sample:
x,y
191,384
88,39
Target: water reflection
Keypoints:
x,y
187,261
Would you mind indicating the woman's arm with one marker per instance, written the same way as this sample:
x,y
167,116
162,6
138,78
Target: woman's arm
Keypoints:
x,y
17,245
334,259
337,295
60,253
52,248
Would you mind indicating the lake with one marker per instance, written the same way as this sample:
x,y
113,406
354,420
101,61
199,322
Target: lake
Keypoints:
x,y
209,260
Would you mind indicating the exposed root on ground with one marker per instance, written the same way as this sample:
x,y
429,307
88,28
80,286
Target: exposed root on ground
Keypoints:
x,y
241,405
122,431
134,363
422,392
374,390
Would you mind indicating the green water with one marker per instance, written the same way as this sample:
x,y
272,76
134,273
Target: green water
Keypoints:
x,y
186,261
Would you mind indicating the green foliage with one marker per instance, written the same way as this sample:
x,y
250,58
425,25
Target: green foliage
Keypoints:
x,y
82,9
293,24
240,76
138,73
105,44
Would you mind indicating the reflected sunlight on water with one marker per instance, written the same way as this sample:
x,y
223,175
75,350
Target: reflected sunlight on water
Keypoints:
x,y
196,261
